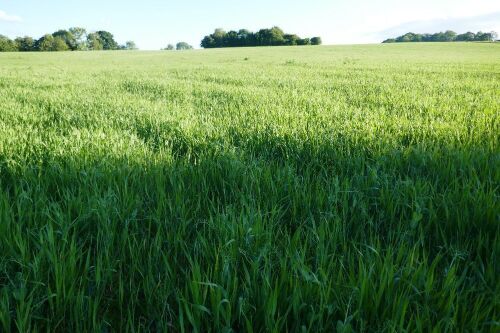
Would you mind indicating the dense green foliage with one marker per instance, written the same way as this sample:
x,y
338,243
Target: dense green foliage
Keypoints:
x,y
447,36
7,45
348,188
74,39
264,37
182,46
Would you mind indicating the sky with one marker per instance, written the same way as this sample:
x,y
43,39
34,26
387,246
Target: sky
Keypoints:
x,y
153,24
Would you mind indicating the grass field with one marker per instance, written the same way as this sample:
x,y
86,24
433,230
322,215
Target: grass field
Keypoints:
x,y
302,189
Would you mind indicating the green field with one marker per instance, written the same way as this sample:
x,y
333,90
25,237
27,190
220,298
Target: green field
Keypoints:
x,y
301,189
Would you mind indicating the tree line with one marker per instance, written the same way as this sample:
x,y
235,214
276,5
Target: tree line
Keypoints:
x,y
73,39
264,37
179,47
447,36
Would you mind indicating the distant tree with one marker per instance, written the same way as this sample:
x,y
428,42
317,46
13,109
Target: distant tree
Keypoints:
x,y
450,35
291,39
94,42
486,36
130,45
169,47
45,43
80,36
246,38
304,41
426,38
107,40
447,36
232,39
7,45
277,36
59,44
75,38
243,37
270,37
50,43
316,41
219,36
208,42
466,37
67,37
481,37
438,37
25,44
183,46
408,37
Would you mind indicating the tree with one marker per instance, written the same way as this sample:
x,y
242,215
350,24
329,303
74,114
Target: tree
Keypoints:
x,y
183,46
243,37
219,36
80,35
59,44
316,41
74,38
50,43
231,39
94,42
409,37
291,39
277,36
481,36
107,40
67,37
45,43
466,37
208,42
7,45
426,38
270,37
304,41
486,36
246,37
169,47
25,44
130,45
449,35
438,37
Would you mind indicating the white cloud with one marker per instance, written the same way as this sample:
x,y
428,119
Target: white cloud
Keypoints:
x,y
9,18
484,23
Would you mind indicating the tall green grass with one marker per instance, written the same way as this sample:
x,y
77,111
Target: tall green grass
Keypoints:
x,y
346,189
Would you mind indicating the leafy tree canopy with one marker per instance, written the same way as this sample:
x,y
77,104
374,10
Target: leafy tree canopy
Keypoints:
x,y
183,46
107,40
94,43
25,44
447,36
80,35
129,45
73,39
7,45
274,36
68,37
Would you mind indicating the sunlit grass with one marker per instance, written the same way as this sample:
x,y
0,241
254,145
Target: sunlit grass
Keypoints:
x,y
347,188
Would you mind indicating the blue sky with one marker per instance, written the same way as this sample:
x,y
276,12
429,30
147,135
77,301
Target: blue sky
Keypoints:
x,y
153,24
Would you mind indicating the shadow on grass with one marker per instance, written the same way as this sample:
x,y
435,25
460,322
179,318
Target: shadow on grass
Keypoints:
x,y
261,230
